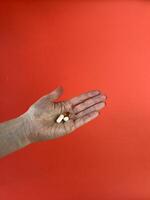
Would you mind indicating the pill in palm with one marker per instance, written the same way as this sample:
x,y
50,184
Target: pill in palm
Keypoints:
x,y
66,118
60,118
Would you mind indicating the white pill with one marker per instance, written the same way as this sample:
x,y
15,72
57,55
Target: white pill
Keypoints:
x,y
60,118
66,119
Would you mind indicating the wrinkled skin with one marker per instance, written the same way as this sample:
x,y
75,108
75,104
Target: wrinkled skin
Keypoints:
x,y
42,114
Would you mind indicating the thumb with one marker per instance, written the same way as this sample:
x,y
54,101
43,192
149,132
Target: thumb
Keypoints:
x,y
55,94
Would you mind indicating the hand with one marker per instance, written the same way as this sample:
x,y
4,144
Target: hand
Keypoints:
x,y
42,115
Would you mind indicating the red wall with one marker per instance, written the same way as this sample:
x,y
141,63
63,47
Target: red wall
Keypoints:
x,y
81,45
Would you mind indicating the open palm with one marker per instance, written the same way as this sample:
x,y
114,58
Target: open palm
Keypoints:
x,y
42,114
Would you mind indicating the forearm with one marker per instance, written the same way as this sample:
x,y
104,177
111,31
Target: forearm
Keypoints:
x,y
13,135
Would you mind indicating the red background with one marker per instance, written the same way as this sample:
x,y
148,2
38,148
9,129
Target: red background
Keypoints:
x,y
81,45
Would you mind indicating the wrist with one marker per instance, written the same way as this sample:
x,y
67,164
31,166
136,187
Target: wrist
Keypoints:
x,y
13,135
26,127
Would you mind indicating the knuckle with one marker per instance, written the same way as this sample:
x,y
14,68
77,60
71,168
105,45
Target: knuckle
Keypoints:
x,y
90,101
92,108
97,99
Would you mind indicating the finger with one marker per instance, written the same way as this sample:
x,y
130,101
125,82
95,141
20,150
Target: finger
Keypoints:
x,y
85,119
96,107
55,94
83,97
82,106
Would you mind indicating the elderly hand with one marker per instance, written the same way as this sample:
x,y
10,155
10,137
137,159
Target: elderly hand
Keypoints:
x,y
42,115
